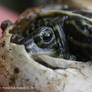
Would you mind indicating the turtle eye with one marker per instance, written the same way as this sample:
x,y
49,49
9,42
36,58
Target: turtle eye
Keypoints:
x,y
45,38
46,34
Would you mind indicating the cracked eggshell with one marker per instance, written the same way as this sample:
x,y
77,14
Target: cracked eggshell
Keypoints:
x,y
18,69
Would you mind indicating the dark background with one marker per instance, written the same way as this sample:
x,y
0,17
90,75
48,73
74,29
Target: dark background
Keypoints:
x,y
20,5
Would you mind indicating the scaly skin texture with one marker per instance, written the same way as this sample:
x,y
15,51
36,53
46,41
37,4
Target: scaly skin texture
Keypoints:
x,y
69,33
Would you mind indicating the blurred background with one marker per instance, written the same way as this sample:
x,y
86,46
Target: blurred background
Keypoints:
x,y
20,5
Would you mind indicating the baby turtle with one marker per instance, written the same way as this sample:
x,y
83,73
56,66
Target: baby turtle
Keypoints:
x,y
55,32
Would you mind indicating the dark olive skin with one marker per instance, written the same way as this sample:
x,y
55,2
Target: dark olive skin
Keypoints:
x,y
79,36
59,34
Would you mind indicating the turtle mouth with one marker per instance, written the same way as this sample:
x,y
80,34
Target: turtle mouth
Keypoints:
x,y
45,62
33,49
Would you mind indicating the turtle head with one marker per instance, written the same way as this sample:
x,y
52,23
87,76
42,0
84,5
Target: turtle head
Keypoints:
x,y
42,35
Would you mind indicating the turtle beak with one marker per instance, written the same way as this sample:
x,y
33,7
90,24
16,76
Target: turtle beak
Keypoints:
x,y
34,50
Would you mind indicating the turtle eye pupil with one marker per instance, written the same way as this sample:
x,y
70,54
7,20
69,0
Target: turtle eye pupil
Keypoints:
x,y
47,36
